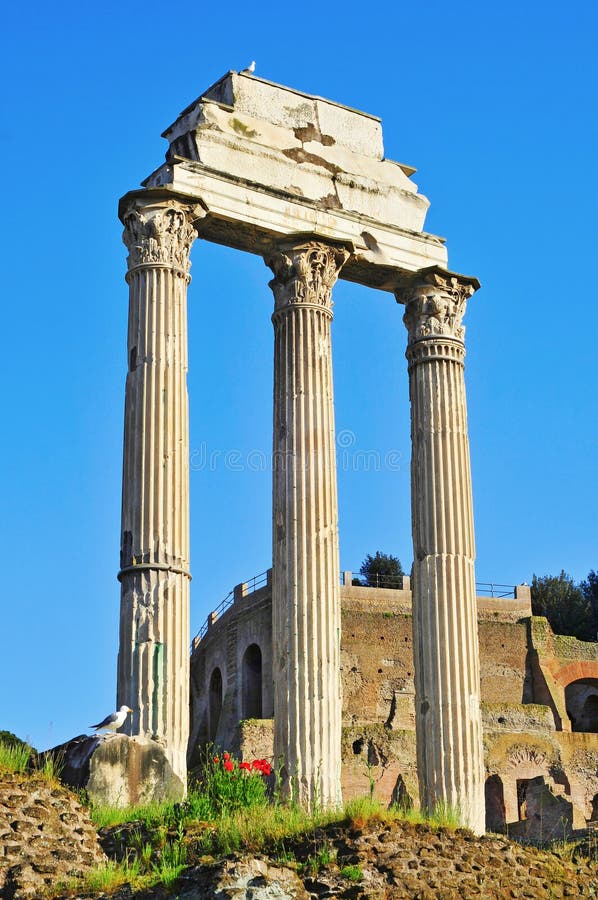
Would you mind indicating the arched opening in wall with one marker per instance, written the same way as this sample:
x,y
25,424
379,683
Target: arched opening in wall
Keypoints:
x,y
589,714
214,703
581,699
496,817
522,786
252,683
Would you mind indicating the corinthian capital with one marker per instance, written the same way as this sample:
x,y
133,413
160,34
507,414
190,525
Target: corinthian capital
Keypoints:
x,y
435,303
159,234
305,272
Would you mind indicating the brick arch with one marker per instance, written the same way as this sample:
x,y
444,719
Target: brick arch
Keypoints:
x,y
575,671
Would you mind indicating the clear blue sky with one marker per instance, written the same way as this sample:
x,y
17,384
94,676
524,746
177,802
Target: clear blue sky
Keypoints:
x,y
495,104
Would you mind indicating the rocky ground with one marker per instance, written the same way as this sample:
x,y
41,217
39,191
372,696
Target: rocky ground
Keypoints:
x,y
45,834
386,862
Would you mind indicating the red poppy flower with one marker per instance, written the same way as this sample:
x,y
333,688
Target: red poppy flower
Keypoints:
x,y
226,755
216,760
228,765
245,765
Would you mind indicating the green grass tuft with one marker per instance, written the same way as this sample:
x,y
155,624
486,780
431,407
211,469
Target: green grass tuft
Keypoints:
x,y
352,873
14,757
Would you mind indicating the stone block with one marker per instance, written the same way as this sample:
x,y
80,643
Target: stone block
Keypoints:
x,y
119,770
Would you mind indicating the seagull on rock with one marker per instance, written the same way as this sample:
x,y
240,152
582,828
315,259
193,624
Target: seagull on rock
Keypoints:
x,y
114,721
250,69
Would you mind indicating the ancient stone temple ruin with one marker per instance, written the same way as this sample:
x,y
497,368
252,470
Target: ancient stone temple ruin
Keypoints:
x,y
304,183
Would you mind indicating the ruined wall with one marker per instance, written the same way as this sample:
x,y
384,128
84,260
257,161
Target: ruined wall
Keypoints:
x,y
376,660
565,676
377,657
246,624
525,674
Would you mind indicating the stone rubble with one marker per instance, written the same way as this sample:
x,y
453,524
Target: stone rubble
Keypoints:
x,y
393,861
45,835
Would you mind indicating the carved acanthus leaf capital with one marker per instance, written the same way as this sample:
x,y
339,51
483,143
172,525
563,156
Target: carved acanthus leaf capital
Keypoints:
x,y
435,304
159,234
305,273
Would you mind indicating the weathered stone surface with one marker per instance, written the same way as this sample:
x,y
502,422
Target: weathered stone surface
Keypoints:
x,y
269,162
118,770
153,658
547,817
305,588
397,861
446,652
45,835
250,878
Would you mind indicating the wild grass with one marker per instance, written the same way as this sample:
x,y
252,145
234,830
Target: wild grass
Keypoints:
x,y
49,766
366,810
105,877
228,810
352,873
14,757
316,861
150,814
21,759
442,816
256,829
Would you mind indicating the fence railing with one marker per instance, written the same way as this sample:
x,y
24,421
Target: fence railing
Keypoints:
x,y
250,586
483,588
498,591
400,582
256,582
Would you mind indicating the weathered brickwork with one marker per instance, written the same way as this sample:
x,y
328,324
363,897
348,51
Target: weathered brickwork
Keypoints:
x,y
527,693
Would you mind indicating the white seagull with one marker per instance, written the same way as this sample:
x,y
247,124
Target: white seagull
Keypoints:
x,y
114,721
250,69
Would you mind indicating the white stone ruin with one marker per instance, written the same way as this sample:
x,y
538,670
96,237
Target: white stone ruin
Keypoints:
x,y
303,182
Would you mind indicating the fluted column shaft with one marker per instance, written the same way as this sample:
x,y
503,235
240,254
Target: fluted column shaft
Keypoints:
x,y
153,659
305,579
446,656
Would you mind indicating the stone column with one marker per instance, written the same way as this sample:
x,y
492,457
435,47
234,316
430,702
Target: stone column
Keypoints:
x,y
153,659
305,581
445,636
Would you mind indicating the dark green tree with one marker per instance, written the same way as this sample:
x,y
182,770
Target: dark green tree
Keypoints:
x,y
381,570
564,604
589,589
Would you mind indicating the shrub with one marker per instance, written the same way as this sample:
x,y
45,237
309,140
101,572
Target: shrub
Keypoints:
x,y
227,785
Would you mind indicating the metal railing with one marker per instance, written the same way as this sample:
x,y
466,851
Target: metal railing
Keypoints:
x,y
253,584
256,582
483,588
240,590
498,591
375,580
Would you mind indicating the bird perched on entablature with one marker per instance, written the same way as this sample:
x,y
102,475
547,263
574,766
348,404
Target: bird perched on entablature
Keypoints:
x,y
114,721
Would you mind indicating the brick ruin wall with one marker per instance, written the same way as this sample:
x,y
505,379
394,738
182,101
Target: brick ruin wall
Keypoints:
x,y
528,740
